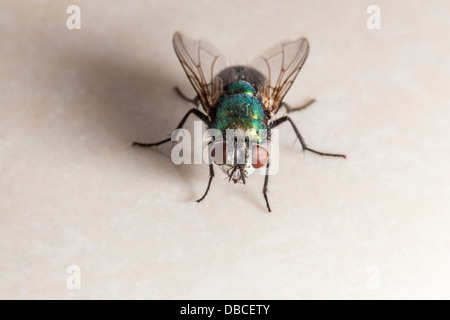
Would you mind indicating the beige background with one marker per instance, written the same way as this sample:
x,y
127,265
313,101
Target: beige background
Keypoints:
x,y
74,192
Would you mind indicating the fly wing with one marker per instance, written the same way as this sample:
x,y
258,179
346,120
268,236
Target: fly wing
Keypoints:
x,y
199,60
281,65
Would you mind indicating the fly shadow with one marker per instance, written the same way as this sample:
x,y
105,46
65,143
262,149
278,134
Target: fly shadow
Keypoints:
x,y
122,100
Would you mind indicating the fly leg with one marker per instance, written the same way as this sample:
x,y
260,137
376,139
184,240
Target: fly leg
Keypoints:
x,y
211,176
195,101
202,117
289,109
302,142
266,183
196,112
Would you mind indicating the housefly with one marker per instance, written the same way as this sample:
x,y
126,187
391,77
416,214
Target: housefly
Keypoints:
x,y
244,99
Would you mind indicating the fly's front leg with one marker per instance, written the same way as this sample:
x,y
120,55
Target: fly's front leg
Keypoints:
x,y
211,176
299,136
196,112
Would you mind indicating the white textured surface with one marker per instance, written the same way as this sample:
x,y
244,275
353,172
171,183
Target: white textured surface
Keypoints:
x,y
73,191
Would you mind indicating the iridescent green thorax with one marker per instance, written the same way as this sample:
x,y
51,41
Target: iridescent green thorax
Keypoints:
x,y
241,87
239,108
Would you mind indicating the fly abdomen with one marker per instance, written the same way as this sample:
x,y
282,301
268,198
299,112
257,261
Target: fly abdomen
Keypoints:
x,y
240,108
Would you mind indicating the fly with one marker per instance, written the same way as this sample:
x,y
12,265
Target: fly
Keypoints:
x,y
244,99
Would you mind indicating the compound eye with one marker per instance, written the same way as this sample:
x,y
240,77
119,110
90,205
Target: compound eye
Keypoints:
x,y
219,153
260,156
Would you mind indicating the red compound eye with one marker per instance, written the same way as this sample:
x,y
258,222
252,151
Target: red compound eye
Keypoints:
x,y
219,153
259,157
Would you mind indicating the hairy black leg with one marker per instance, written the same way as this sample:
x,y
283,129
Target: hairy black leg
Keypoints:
x,y
211,176
241,172
194,101
266,183
196,112
290,109
304,146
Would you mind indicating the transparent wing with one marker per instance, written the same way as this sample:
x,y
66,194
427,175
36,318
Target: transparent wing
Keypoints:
x,y
200,60
281,65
